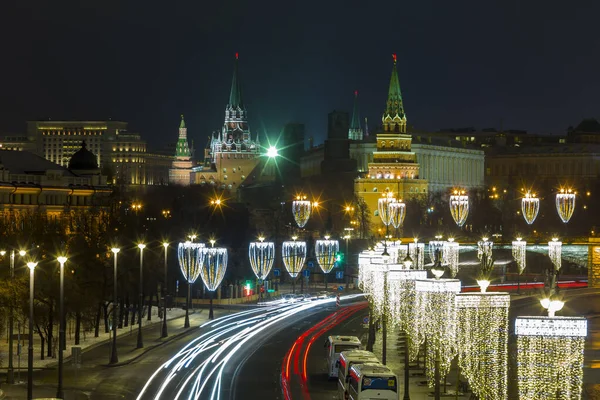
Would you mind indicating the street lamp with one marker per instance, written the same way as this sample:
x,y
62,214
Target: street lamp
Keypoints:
x,y
213,267
113,356
164,325
140,342
293,255
10,376
190,261
325,251
31,265
61,332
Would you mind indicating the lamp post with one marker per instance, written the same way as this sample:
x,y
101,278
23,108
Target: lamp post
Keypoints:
x,y
10,375
140,341
61,324
113,356
189,257
31,265
164,325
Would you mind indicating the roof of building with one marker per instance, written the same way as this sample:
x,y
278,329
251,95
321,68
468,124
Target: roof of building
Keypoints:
x,y
394,105
355,122
235,95
83,159
549,149
588,125
24,162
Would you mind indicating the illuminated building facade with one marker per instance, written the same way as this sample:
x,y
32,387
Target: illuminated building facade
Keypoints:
x,y
180,172
231,156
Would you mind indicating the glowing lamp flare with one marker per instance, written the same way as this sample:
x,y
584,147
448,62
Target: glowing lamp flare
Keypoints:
x,y
384,209
213,266
262,256
190,260
459,207
294,255
565,204
325,251
398,213
519,250
530,207
301,208
272,152
555,252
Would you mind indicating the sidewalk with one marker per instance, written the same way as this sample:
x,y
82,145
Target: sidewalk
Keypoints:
x,y
418,382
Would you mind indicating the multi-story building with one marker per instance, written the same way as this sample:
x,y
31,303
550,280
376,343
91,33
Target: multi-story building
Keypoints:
x,y
125,155
232,156
57,141
29,182
394,167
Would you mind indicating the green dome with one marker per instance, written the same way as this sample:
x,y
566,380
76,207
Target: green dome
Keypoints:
x,y
83,159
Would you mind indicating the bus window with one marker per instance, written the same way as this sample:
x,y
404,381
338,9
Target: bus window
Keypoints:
x,y
344,347
378,383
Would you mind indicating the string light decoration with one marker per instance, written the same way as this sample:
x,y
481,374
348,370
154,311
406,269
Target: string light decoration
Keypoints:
x,y
555,253
482,342
261,255
398,212
384,209
519,250
375,286
435,320
550,357
565,204
301,208
484,248
401,295
294,255
190,258
435,249
450,256
325,250
459,207
530,207
416,251
213,266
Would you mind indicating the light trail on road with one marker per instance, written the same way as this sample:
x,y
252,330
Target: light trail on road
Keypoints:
x,y
197,370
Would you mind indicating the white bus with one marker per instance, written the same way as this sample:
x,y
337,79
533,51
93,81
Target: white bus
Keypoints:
x,y
372,381
334,346
346,361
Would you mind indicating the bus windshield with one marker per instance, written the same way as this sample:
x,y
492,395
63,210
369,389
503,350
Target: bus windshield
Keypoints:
x,y
379,383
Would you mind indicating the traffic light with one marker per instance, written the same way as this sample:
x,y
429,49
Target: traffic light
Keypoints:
x,y
339,258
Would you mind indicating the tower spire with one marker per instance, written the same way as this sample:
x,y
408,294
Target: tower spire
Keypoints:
x,y
183,149
394,118
355,132
235,94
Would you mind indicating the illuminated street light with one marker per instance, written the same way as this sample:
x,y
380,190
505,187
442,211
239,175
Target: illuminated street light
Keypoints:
x,y
140,342
190,262
61,327
565,204
212,271
459,207
530,207
164,325
272,152
301,209
113,357
31,265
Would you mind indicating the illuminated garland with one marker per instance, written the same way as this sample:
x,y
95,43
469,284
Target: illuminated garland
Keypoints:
x,y
293,254
530,207
326,250
435,249
398,212
417,253
519,251
435,321
261,255
555,253
565,204
484,248
450,256
401,296
550,357
301,208
384,209
459,207
213,267
482,342
376,287
190,259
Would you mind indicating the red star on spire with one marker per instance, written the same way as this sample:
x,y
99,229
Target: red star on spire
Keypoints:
x,y
394,57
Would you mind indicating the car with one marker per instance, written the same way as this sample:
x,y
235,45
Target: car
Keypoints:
x,y
323,295
288,298
299,297
309,296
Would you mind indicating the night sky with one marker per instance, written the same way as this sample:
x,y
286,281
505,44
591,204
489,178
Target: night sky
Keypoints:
x,y
530,65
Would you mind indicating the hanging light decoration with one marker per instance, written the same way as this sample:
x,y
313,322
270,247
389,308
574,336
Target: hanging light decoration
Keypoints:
x,y
416,251
436,322
484,248
565,204
214,266
459,207
550,357
301,208
555,253
262,256
401,295
384,209
190,260
530,207
326,250
519,250
450,256
482,338
435,250
293,254
398,213
376,286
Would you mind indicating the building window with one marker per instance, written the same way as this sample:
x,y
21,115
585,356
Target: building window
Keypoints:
x,y
374,189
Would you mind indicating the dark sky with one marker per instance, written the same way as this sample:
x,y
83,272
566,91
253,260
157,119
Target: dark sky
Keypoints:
x,y
531,64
